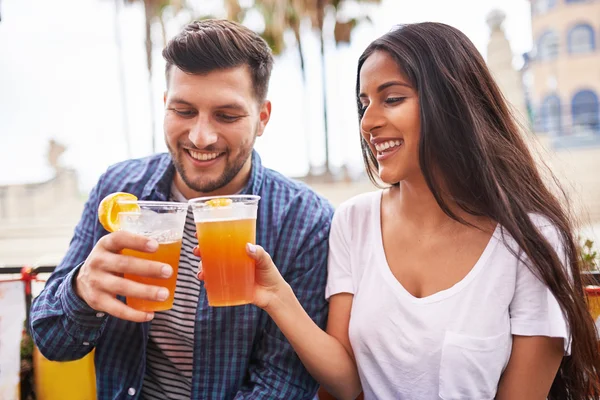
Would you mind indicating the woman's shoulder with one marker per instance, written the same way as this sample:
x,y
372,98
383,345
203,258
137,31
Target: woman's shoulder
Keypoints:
x,y
363,201
359,206
546,227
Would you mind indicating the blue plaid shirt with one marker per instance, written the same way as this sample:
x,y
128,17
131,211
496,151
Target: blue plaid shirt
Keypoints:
x,y
239,353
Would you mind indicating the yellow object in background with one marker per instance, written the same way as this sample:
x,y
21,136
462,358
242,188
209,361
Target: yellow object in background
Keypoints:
x,y
593,295
66,380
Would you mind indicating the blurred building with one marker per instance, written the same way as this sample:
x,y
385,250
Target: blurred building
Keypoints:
x,y
499,59
564,72
555,95
565,65
37,219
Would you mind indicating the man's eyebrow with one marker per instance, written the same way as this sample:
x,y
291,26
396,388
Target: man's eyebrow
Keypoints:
x,y
226,106
179,100
386,85
232,106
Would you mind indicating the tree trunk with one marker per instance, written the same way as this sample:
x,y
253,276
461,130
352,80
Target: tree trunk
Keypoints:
x,y
124,109
233,10
149,12
306,101
321,18
163,30
296,29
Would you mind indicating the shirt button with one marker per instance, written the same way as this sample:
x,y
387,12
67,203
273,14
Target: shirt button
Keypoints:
x,y
131,391
100,314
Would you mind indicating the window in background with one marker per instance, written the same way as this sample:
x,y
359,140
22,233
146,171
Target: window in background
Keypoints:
x,y
547,46
584,112
550,115
542,6
581,39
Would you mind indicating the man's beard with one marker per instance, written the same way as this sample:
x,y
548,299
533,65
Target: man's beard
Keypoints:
x,y
232,168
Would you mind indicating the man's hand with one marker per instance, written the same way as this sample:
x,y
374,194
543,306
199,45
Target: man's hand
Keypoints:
x,y
100,278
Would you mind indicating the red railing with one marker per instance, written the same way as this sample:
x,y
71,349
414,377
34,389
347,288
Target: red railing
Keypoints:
x,y
27,276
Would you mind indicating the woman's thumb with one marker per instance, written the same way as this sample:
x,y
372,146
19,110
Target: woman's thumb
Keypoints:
x,y
258,254
252,251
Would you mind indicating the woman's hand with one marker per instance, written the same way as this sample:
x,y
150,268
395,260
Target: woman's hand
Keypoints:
x,y
324,356
268,284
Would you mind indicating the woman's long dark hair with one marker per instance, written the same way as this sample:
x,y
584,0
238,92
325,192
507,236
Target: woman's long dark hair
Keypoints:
x,y
471,142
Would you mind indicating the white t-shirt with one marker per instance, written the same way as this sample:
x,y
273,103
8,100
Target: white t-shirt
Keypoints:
x,y
454,344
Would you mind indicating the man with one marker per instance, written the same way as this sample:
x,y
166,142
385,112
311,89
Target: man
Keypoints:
x,y
215,107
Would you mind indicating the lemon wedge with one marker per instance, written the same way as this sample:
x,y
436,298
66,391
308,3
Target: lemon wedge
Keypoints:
x,y
109,209
221,202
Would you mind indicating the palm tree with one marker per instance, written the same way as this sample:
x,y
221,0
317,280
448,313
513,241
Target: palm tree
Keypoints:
x,y
154,12
278,16
317,10
124,118
281,15
294,11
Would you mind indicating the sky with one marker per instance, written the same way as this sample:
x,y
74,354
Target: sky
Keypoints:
x,y
60,78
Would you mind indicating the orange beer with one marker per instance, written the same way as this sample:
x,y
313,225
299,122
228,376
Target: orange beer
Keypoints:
x,y
224,225
162,221
167,253
228,270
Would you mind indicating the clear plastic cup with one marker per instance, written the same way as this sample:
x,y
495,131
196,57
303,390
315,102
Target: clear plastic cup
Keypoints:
x,y
224,225
164,222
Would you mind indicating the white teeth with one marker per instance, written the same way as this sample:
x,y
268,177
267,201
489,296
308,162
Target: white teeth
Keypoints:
x,y
203,156
380,147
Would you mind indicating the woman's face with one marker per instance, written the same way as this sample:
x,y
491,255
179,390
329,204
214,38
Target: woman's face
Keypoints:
x,y
391,123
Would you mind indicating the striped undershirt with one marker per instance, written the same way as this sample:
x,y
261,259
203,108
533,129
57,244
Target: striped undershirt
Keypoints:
x,y
170,350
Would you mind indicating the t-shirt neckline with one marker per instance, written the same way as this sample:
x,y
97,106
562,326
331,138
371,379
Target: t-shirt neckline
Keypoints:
x,y
395,284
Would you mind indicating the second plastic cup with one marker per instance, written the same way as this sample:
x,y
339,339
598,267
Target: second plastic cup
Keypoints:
x,y
164,222
224,225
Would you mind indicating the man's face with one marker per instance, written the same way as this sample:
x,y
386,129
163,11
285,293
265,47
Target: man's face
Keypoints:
x,y
211,122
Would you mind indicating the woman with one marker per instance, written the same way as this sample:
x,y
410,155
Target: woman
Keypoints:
x,y
459,279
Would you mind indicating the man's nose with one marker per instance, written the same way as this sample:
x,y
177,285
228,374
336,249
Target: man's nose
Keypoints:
x,y
203,134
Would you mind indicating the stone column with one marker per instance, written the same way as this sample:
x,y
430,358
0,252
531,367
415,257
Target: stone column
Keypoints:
x,y
500,63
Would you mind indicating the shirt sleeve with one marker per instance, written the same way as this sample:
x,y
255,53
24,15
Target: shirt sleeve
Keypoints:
x,y
339,271
63,326
534,311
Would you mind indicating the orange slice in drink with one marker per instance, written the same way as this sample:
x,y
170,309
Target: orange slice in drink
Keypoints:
x,y
221,202
109,209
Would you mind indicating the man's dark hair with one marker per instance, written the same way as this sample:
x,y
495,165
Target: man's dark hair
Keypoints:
x,y
214,44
